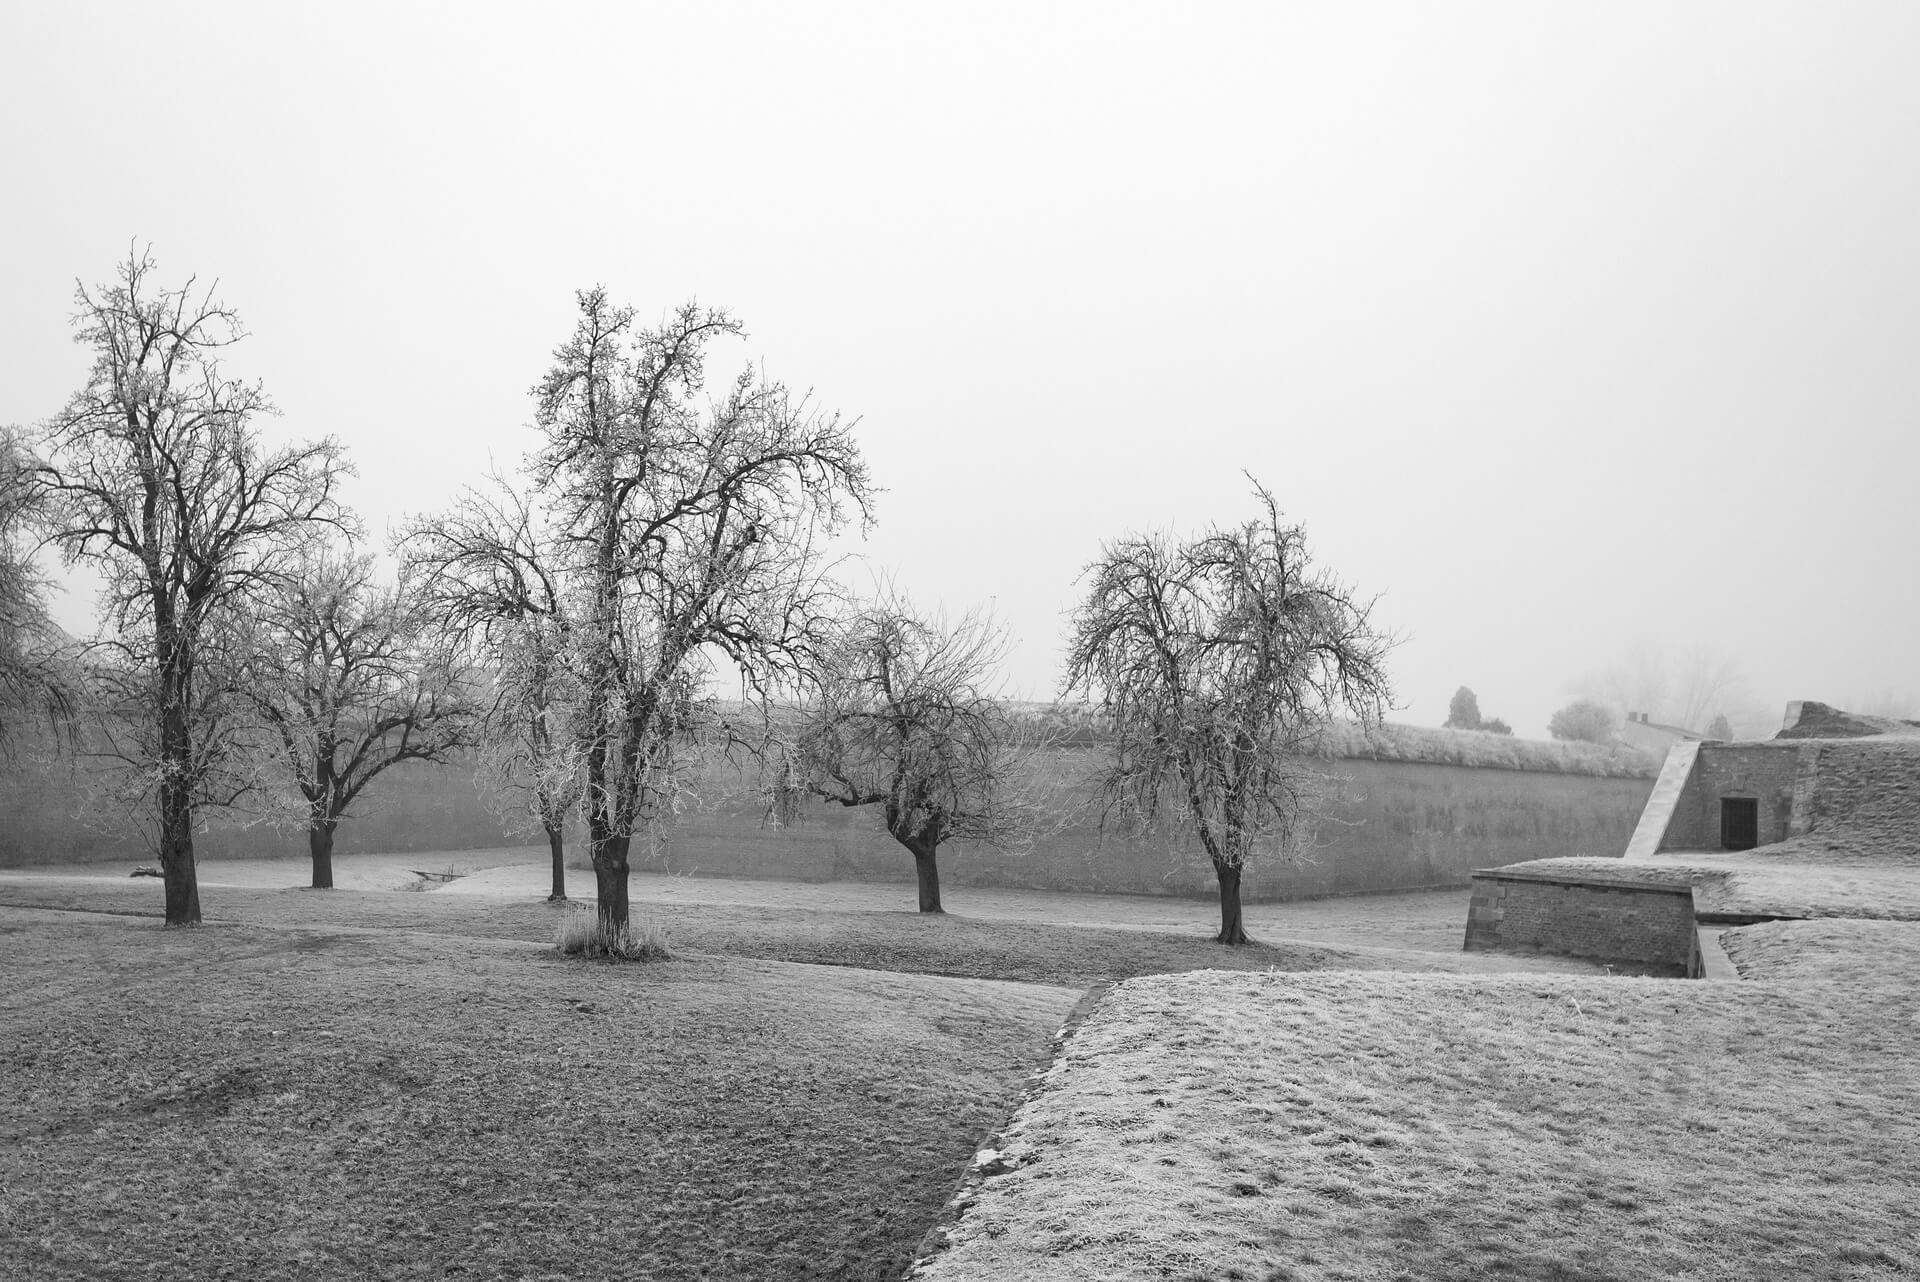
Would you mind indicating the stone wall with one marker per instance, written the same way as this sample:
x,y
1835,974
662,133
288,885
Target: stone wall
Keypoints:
x,y
1869,792
1764,771
1644,927
408,807
1397,826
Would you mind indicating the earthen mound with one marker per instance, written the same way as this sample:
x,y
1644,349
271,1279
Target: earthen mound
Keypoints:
x,y
1822,721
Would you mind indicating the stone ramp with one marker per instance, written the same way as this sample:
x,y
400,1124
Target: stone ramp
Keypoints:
x,y
1674,773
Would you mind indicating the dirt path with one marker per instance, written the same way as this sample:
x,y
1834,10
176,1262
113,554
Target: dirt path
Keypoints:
x,y
1432,921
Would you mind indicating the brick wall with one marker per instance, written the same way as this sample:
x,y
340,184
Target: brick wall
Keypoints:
x,y
1763,771
1645,927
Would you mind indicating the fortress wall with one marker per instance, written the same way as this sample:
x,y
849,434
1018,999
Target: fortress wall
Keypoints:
x,y
1868,790
409,807
1399,826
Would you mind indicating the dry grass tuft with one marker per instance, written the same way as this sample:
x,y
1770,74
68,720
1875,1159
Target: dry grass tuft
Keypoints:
x,y
585,935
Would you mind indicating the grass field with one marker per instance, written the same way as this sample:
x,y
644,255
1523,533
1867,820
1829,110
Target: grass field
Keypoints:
x,y
261,1103
901,941
1420,1127
386,1084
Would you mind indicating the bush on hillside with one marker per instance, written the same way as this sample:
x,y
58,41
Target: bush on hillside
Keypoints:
x,y
1584,721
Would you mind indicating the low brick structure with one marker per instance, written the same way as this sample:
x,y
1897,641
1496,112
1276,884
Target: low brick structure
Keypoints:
x,y
1639,924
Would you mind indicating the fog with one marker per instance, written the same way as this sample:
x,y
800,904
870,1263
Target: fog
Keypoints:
x,y
1584,336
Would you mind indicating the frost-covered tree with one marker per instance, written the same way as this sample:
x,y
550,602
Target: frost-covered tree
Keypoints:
x,y
155,473
34,682
348,677
490,569
903,717
1219,661
689,530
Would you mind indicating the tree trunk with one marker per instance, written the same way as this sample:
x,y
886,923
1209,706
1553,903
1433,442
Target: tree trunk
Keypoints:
x,y
610,878
929,875
1232,929
320,847
556,843
177,872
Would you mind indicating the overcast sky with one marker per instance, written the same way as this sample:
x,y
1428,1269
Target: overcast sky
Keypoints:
x,y
1566,328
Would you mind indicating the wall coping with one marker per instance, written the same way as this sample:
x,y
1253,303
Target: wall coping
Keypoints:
x,y
1707,916
1648,777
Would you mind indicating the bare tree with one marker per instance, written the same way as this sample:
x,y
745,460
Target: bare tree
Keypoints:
x,y
489,569
33,678
1897,705
348,679
904,718
1219,662
692,535
1706,683
1687,691
156,474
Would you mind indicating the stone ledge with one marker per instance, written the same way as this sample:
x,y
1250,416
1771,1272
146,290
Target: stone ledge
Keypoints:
x,y
1596,880
1714,962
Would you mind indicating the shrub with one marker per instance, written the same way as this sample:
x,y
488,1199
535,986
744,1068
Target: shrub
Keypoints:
x,y
1585,721
1464,712
585,935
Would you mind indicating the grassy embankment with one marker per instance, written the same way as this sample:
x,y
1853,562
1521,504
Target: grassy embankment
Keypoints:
x,y
1418,1127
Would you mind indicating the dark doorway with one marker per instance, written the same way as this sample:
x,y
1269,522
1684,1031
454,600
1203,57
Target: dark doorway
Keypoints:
x,y
1739,823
